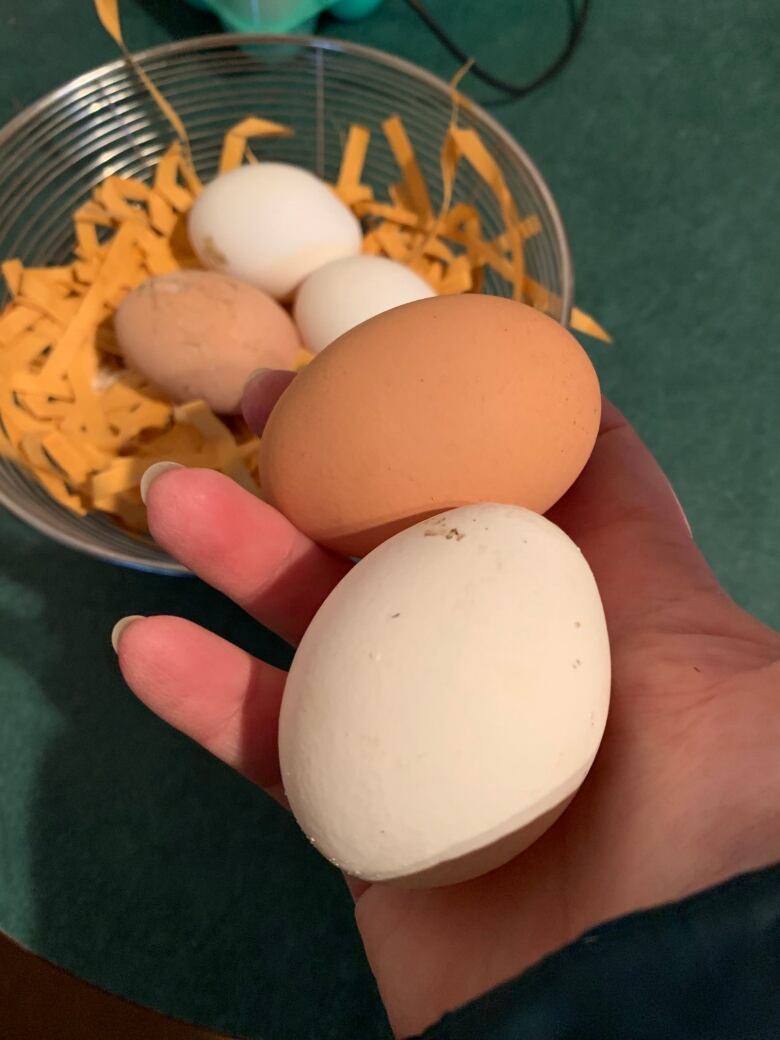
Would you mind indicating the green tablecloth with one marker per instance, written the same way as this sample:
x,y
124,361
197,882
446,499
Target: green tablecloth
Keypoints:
x,y
131,857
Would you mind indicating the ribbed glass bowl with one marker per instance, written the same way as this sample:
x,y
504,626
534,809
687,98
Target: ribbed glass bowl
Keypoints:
x,y
56,151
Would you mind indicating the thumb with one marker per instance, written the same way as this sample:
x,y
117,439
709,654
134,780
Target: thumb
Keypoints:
x,y
262,391
626,518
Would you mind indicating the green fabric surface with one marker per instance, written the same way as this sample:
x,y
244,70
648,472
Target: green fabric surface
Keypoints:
x,y
129,856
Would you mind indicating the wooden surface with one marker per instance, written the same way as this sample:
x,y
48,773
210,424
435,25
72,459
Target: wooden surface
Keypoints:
x,y
41,1002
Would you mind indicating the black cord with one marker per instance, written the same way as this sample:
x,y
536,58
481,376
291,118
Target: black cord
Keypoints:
x,y
577,20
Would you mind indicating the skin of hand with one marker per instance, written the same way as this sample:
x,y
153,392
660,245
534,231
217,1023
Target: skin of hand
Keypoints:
x,y
684,792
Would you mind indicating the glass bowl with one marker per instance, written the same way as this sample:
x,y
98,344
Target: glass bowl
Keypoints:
x,y
104,123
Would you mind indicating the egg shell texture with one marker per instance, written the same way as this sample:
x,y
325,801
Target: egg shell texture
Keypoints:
x,y
271,224
430,406
447,699
198,334
342,294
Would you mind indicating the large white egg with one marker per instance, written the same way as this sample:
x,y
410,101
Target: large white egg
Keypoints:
x,y
271,224
342,294
448,698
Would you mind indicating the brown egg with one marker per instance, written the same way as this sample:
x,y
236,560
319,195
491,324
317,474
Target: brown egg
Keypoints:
x,y
432,405
199,334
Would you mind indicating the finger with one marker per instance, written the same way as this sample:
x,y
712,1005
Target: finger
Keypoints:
x,y
626,518
243,547
222,697
261,394
214,693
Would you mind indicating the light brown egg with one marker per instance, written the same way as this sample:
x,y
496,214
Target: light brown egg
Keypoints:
x,y
432,405
199,334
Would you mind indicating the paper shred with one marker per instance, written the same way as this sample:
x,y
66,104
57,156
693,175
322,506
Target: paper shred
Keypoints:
x,y
127,509
19,356
68,459
87,242
45,295
161,214
349,186
431,270
435,247
302,360
538,295
91,309
583,322
15,320
12,273
525,229
393,241
458,278
40,407
61,277
108,13
121,390
59,491
26,382
116,202
81,375
469,146
371,244
497,260
189,175
92,213
233,151
199,415
15,420
122,474
166,180
31,447
149,415
413,184
396,196
395,214
234,146
158,257
171,443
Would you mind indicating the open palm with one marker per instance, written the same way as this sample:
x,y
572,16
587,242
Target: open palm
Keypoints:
x,y
684,791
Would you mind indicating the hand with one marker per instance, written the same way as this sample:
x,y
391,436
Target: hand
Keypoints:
x,y
684,791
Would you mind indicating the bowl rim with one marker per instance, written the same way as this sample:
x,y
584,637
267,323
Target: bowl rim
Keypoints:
x,y
166,564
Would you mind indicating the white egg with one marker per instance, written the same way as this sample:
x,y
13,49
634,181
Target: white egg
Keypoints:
x,y
448,698
271,224
346,292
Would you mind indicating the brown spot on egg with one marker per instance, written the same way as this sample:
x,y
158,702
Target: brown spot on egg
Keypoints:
x,y
444,532
212,254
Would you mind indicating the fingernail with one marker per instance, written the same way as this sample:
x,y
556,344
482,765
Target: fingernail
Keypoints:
x,y
120,626
155,471
256,375
679,506
263,389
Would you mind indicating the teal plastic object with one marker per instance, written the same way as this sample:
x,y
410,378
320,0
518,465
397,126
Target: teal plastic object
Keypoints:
x,y
282,16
